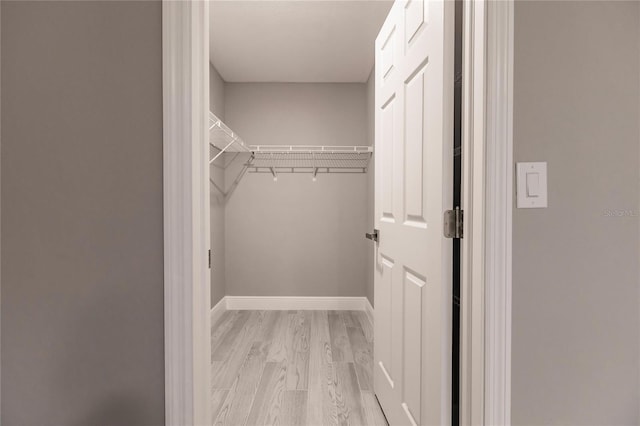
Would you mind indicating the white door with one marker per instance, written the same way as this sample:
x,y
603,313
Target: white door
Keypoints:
x,y
413,187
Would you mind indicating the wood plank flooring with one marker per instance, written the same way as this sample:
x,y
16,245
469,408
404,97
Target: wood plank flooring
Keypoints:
x,y
289,368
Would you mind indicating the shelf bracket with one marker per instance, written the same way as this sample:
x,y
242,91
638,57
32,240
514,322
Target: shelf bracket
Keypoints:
x,y
222,151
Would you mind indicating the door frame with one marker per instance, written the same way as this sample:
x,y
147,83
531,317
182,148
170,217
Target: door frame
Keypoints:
x,y
187,287
487,201
487,197
499,172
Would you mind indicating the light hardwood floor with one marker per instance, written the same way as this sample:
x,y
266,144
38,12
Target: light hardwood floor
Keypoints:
x,y
311,368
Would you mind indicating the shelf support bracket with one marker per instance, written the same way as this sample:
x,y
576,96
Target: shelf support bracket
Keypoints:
x,y
222,151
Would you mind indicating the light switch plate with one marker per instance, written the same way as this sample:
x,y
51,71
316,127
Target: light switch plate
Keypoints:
x,y
531,185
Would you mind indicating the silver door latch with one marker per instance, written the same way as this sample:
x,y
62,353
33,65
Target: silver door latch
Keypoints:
x,y
453,223
373,236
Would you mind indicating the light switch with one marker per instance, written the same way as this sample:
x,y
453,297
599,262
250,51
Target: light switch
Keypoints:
x,y
531,185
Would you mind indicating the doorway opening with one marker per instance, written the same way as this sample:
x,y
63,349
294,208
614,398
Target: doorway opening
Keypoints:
x,y
309,152
291,199
188,330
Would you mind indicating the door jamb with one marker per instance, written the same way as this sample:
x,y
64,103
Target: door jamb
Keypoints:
x,y
472,245
185,64
487,201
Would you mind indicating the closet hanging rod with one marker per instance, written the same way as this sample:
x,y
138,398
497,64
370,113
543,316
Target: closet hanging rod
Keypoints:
x,y
308,170
308,149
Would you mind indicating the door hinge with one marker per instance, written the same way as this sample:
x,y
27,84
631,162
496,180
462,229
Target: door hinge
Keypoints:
x,y
453,223
209,257
373,236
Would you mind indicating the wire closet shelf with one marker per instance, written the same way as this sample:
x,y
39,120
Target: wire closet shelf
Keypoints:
x,y
310,159
223,140
288,158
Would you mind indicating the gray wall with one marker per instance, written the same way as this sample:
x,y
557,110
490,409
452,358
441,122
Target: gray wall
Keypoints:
x,y
575,268
217,203
216,92
0,212
81,173
370,183
296,237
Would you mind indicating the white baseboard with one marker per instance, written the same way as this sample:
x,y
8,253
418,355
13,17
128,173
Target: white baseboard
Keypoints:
x,y
218,310
368,309
269,303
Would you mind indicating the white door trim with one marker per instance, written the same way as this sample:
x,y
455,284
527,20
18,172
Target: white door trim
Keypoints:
x,y
487,203
185,46
499,205
473,202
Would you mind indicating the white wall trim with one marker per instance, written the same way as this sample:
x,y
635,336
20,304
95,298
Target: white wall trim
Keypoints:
x,y
368,307
218,310
185,39
498,219
295,303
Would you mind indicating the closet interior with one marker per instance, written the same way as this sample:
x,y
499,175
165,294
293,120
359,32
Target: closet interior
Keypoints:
x,y
289,218
291,149
293,121
291,133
